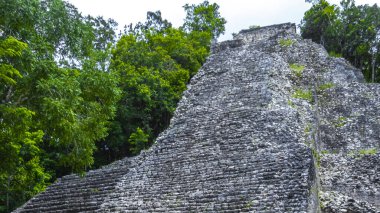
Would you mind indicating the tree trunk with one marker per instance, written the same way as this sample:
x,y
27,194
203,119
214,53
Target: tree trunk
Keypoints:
x,y
373,68
8,186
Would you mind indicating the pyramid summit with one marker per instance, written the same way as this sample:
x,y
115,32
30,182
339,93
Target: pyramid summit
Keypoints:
x,y
270,123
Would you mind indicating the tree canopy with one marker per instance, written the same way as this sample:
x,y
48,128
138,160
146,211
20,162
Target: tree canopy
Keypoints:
x,y
57,94
73,96
155,61
204,17
351,31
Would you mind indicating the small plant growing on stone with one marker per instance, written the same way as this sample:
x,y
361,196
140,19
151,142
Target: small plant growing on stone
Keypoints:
x,y
321,203
297,69
291,104
335,54
341,121
358,154
317,156
286,42
325,86
303,94
82,174
249,204
94,190
308,128
254,27
324,152
372,151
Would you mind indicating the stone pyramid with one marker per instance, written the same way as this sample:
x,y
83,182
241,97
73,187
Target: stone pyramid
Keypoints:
x,y
271,123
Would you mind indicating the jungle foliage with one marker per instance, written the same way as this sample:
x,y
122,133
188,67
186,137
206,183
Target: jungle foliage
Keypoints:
x,y
74,96
348,30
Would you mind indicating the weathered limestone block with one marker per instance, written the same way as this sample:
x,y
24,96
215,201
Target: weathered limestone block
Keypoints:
x,y
218,47
264,33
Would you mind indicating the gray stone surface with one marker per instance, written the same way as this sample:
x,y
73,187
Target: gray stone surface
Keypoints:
x,y
251,134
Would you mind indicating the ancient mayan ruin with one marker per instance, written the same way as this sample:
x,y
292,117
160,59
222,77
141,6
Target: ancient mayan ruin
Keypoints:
x,y
271,123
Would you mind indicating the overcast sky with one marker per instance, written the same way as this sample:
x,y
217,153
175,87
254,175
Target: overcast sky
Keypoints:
x,y
240,14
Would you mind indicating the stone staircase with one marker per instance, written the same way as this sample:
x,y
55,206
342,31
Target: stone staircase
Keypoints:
x,y
73,193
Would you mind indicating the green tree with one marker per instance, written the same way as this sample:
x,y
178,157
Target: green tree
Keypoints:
x,y
21,172
9,47
155,62
204,17
318,21
138,140
57,96
350,30
152,84
74,111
